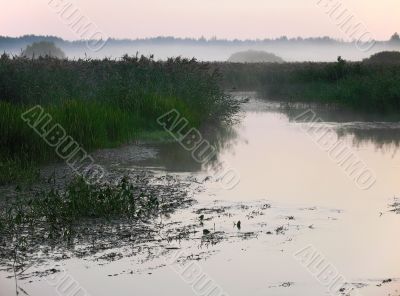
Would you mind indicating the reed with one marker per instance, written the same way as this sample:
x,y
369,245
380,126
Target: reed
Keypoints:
x,y
361,86
102,103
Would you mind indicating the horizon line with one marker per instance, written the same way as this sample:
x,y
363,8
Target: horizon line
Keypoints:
x,y
201,38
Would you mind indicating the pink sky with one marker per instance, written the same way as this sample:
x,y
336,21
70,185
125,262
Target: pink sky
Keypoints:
x,y
194,18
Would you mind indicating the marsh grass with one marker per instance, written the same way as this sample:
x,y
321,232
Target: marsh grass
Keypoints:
x,y
57,214
17,171
102,103
73,218
58,209
364,87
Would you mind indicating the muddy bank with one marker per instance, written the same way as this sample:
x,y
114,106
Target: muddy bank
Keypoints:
x,y
30,234
182,222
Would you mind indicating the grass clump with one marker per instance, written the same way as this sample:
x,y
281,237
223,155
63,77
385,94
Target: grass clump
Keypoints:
x,y
54,213
12,171
60,208
73,219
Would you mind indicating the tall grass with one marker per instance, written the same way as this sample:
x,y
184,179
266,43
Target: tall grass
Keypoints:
x,y
102,103
136,83
361,86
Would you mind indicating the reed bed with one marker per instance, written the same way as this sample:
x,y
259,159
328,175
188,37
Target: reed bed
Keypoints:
x,y
361,86
101,103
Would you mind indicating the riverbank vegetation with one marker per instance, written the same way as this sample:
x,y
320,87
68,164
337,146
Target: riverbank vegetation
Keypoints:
x,y
106,103
362,86
100,103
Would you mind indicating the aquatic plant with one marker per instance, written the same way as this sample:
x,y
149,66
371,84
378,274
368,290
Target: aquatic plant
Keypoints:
x,y
72,219
60,208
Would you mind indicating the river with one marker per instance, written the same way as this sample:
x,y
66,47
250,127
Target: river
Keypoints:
x,y
292,197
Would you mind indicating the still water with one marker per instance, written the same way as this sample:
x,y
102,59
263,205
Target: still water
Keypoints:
x,y
287,181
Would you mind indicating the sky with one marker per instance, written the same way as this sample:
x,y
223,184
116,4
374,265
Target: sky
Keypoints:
x,y
229,19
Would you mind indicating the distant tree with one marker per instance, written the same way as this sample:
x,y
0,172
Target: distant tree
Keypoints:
x,y
254,56
395,37
42,49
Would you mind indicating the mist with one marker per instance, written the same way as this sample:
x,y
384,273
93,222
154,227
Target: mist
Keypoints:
x,y
321,49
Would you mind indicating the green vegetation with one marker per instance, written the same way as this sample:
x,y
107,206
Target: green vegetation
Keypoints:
x,y
254,56
79,201
43,49
105,103
362,86
100,103
77,216
16,171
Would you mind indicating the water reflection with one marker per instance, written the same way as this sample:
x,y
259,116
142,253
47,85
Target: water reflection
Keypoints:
x,y
363,129
383,138
173,157
359,129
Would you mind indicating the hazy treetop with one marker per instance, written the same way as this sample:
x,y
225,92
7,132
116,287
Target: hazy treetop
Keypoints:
x,y
254,56
42,49
395,37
